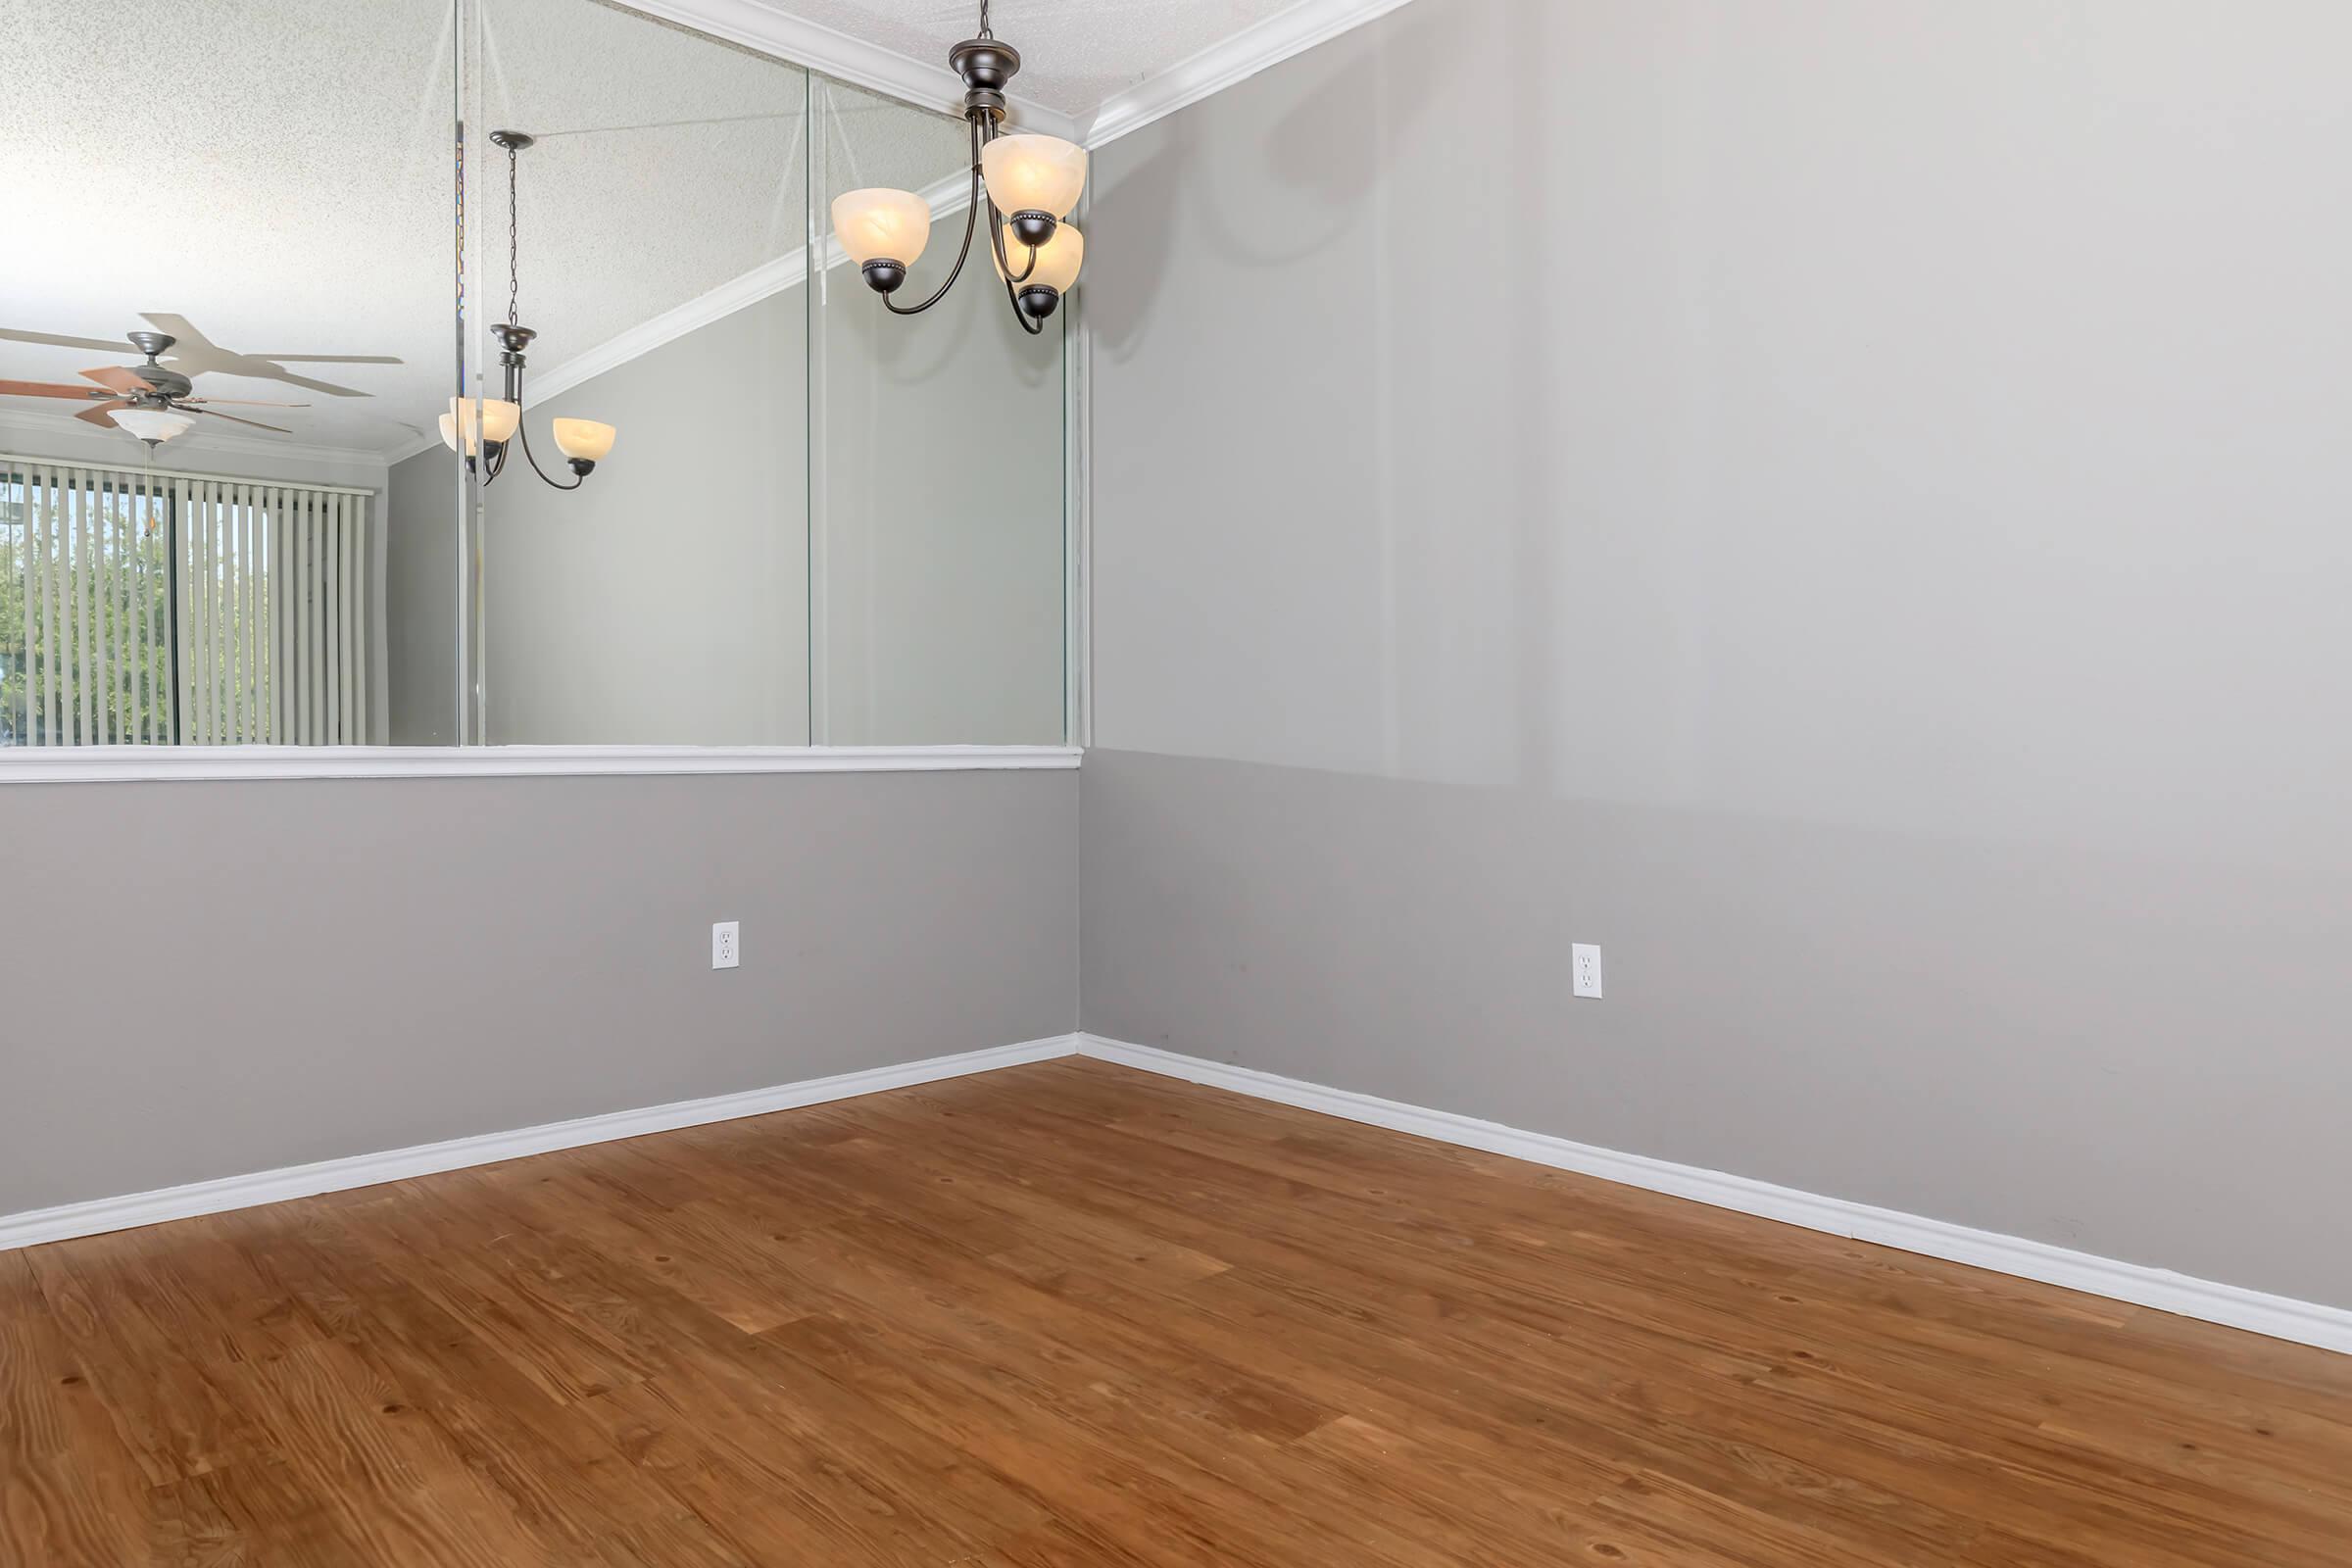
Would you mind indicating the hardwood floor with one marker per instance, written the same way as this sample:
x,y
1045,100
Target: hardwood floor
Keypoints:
x,y
1070,1315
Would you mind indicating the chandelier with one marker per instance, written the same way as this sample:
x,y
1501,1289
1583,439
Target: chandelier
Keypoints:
x,y
494,432
1028,183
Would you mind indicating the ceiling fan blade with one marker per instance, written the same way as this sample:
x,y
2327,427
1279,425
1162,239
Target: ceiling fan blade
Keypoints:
x,y
120,378
42,389
329,359
233,420
101,413
244,403
58,340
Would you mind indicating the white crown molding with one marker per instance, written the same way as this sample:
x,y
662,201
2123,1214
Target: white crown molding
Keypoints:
x,y
402,453
1236,59
104,1215
929,85
160,764
2278,1316
37,425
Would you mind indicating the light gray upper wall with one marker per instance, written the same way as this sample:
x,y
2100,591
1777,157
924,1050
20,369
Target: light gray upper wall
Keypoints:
x,y
420,600
1843,504
298,971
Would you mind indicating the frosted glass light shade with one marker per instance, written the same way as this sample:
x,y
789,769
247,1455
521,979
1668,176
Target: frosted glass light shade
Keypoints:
x,y
151,425
1029,174
499,419
583,439
880,225
1057,259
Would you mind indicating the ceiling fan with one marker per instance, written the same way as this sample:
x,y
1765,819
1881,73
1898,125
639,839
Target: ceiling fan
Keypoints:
x,y
148,401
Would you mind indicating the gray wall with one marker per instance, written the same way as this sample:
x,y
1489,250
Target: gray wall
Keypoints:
x,y
271,973
1843,505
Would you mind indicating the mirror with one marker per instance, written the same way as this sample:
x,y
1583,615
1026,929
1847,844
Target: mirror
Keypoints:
x,y
210,339
288,456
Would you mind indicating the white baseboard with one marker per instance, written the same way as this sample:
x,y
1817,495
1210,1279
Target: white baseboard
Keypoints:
x,y
2278,1316
397,1164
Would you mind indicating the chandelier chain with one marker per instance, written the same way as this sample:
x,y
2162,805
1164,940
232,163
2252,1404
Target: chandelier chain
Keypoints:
x,y
984,28
514,246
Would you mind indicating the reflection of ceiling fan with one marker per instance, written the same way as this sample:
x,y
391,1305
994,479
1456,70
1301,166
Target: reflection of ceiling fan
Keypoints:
x,y
194,353
149,401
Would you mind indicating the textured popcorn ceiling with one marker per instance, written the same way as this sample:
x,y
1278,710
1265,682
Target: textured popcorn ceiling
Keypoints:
x,y
1074,53
278,173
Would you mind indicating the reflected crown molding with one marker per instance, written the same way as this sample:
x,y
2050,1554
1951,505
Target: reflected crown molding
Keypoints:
x,y
35,427
950,195
135,765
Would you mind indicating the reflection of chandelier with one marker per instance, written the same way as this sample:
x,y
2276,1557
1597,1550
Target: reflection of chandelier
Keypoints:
x,y
491,432
1029,184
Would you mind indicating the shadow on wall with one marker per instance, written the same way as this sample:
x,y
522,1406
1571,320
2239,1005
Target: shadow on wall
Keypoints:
x,y
1831,442
1320,160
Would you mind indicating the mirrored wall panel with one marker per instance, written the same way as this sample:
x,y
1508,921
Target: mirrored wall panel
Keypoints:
x,y
491,372
936,465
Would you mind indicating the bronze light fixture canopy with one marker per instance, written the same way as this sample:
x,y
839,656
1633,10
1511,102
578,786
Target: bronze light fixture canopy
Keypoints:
x,y
583,442
1028,183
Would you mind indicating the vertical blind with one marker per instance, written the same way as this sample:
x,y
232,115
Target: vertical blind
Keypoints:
x,y
161,607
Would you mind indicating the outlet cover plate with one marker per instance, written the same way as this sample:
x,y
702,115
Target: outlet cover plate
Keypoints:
x,y
1585,970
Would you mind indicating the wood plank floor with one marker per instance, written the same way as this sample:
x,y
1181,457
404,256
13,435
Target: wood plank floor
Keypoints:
x,y
1071,1314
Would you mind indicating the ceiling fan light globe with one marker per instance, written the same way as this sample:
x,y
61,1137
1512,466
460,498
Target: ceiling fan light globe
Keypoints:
x,y
879,225
1028,172
583,440
152,424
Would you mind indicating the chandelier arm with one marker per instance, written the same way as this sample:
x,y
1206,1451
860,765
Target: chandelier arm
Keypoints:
x,y
996,235
523,434
971,214
1033,328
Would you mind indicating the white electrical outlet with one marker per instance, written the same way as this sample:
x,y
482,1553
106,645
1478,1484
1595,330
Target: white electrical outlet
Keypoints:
x,y
1585,967
726,945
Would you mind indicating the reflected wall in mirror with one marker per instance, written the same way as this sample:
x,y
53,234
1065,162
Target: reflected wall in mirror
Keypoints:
x,y
227,307
937,468
652,238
